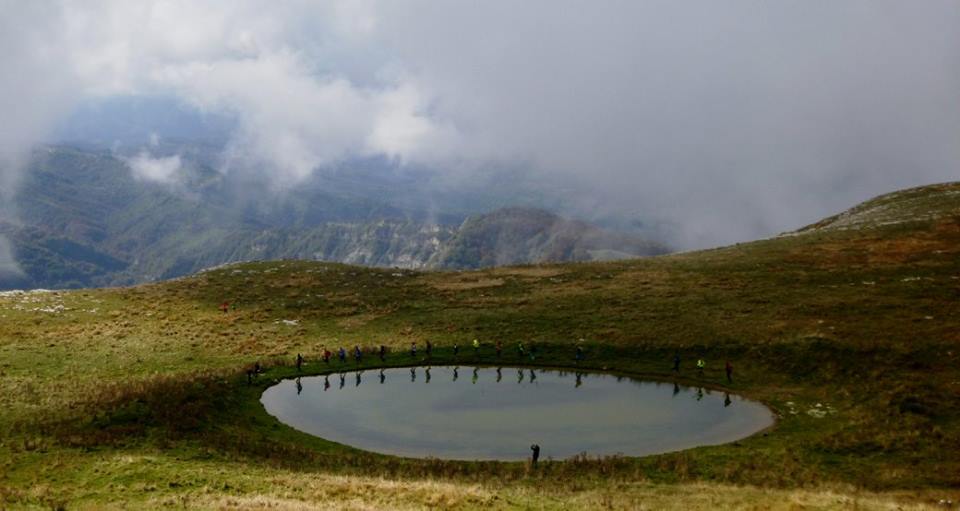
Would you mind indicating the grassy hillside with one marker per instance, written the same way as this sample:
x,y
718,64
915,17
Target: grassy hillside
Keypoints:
x,y
848,329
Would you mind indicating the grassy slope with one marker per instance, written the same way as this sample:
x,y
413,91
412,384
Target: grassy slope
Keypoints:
x,y
133,395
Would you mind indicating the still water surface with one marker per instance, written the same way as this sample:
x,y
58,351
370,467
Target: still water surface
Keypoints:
x,y
489,413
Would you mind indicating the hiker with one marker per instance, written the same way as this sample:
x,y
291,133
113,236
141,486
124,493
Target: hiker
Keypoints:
x,y
326,356
729,369
429,349
225,307
249,376
357,354
456,349
256,368
520,348
700,365
299,386
383,353
299,362
499,348
676,362
533,352
342,354
579,356
413,349
476,347
536,453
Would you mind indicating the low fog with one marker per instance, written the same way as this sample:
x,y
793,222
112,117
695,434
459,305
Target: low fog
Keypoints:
x,y
716,121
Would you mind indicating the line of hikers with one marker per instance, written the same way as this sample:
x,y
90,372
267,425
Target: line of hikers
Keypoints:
x,y
701,365
522,351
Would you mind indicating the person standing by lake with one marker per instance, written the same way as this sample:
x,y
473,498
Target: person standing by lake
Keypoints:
x,y
536,454
700,366
729,369
676,361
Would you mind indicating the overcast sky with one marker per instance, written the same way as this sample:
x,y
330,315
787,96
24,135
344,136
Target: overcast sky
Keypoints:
x,y
730,120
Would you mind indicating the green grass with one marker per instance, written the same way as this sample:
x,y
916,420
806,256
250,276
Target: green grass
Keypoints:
x,y
137,395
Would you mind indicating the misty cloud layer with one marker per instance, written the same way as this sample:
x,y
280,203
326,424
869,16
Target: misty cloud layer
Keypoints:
x,y
723,121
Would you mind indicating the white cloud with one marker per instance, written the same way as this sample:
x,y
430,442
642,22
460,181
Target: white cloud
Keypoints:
x,y
730,120
160,170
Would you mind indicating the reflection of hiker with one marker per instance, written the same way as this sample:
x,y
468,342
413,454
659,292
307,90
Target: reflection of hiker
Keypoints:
x,y
499,375
413,374
299,386
533,376
499,348
676,362
726,400
700,365
475,375
413,349
383,353
676,388
729,369
427,373
519,375
456,373
326,383
699,393
536,453
383,377
342,354
358,378
476,347
579,380
299,362
343,379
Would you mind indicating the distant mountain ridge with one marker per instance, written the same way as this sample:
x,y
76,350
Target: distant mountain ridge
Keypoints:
x,y
85,221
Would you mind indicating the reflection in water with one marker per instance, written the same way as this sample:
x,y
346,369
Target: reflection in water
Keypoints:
x,y
456,373
457,420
